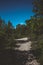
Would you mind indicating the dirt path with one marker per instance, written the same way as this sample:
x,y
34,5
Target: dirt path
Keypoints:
x,y
26,46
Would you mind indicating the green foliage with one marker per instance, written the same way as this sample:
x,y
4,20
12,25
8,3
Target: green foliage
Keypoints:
x,y
32,29
6,35
37,29
21,31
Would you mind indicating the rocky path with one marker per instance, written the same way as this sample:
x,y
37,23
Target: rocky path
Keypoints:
x,y
26,46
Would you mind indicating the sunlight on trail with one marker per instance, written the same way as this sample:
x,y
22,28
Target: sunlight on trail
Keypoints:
x,y
24,47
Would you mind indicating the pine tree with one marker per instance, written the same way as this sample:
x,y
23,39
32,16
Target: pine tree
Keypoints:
x,y
38,7
38,10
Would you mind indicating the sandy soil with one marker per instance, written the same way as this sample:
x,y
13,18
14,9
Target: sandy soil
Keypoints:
x,y
26,46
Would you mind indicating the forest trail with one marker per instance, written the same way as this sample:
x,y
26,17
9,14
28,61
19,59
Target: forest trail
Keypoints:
x,y
26,46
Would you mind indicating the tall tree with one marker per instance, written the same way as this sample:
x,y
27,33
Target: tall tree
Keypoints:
x,y
38,7
21,30
3,40
38,27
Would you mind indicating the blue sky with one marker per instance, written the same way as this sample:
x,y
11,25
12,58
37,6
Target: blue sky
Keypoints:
x,y
17,11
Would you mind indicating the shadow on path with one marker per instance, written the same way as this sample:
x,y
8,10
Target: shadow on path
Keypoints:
x,y
13,57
